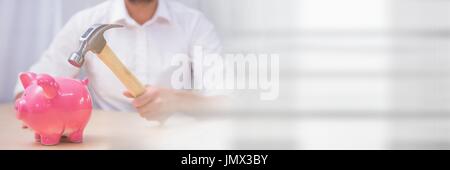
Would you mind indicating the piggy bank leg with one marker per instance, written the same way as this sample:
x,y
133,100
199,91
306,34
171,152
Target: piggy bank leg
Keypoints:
x,y
76,136
37,137
50,139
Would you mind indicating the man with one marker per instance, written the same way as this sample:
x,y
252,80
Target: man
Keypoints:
x,y
154,31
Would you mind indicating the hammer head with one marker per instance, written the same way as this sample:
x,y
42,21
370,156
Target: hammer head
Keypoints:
x,y
92,40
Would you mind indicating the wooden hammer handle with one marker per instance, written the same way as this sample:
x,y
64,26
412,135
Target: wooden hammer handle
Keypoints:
x,y
125,76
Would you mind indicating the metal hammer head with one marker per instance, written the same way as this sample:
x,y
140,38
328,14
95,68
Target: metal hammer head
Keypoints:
x,y
91,40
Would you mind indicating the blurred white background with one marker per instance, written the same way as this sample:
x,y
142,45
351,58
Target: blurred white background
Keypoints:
x,y
355,74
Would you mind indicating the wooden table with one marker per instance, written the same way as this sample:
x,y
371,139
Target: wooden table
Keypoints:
x,y
118,130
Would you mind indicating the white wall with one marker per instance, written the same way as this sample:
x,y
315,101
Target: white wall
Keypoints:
x,y
27,27
333,53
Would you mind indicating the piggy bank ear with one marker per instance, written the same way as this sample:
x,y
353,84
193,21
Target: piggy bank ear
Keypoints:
x,y
48,85
26,78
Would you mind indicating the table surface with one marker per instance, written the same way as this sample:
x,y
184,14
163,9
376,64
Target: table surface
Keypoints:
x,y
119,130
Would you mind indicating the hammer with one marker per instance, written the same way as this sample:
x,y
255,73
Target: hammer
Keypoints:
x,y
94,41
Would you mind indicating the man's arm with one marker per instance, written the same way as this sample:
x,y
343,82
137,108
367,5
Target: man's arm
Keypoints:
x,y
54,59
158,103
18,95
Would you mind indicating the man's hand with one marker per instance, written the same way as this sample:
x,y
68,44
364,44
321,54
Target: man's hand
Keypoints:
x,y
159,103
156,103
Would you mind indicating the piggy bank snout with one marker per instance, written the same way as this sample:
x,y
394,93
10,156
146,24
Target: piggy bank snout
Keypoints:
x,y
21,106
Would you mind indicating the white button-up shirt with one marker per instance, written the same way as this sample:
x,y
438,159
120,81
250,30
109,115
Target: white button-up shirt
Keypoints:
x,y
145,49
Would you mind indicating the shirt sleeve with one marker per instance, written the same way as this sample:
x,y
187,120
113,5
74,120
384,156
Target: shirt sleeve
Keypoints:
x,y
54,60
205,38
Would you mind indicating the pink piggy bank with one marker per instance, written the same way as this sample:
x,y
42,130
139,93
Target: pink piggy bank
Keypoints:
x,y
53,107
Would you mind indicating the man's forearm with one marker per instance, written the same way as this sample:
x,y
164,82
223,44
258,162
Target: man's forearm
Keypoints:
x,y
18,95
